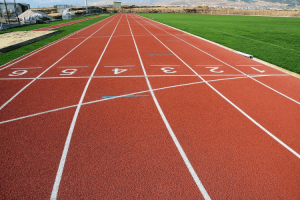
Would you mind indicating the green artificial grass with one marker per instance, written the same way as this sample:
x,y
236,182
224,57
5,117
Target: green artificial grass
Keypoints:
x,y
273,39
11,55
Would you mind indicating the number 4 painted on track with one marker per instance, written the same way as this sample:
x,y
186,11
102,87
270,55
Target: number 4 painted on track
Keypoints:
x,y
119,71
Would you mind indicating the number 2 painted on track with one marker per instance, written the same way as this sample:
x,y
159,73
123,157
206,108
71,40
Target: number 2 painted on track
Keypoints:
x,y
168,70
119,71
68,72
18,73
213,69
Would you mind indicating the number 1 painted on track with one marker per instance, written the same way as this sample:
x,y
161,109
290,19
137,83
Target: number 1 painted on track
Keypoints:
x,y
261,71
119,71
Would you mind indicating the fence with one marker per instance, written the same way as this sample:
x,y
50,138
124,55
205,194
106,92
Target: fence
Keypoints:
x,y
9,12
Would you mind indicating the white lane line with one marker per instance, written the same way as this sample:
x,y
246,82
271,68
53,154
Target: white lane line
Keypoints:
x,y
297,102
3,79
121,66
73,67
96,101
45,47
50,67
248,65
209,65
137,76
68,141
36,114
235,106
26,68
164,65
180,149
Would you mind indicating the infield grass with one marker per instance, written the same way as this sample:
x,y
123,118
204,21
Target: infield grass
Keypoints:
x,y
11,55
273,39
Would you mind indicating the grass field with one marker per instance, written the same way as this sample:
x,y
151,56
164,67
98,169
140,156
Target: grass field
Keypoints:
x,y
11,55
272,39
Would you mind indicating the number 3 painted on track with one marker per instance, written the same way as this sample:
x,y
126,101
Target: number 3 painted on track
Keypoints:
x,y
18,73
213,69
168,70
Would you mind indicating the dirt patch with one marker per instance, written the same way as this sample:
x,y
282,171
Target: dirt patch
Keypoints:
x,y
12,38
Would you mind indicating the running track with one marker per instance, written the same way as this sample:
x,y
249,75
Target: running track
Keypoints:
x,y
132,109
65,24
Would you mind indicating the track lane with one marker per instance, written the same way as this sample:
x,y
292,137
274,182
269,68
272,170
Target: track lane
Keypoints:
x,y
127,158
64,24
56,184
132,158
188,105
30,154
288,121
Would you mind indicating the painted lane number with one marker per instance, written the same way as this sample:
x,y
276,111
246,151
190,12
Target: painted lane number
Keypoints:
x,y
18,73
260,71
68,72
214,69
168,70
119,71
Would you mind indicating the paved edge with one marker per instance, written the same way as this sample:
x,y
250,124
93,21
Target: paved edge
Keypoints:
x,y
255,59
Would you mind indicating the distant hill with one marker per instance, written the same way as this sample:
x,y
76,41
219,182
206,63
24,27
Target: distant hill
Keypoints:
x,y
289,2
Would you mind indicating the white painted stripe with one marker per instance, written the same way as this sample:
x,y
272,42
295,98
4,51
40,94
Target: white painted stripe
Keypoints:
x,y
17,78
68,141
121,66
164,65
45,47
297,102
50,67
137,76
180,149
248,65
26,68
73,67
97,101
235,106
209,65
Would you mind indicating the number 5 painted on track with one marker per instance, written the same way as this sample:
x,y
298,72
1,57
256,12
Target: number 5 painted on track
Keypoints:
x,y
68,72
119,71
168,70
213,69
18,73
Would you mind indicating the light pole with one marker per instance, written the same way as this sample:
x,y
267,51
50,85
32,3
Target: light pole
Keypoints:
x,y
86,7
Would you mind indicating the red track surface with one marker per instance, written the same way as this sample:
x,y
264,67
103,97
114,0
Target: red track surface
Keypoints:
x,y
65,24
130,108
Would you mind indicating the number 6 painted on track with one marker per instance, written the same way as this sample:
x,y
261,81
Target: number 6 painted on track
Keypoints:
x,y
18,73
213,69
168,70
68,72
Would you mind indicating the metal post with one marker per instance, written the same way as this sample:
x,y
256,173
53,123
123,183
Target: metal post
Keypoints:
x,y
16,12
6,12
86,7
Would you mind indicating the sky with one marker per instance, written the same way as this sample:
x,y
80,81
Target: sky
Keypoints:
x,y
51,3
